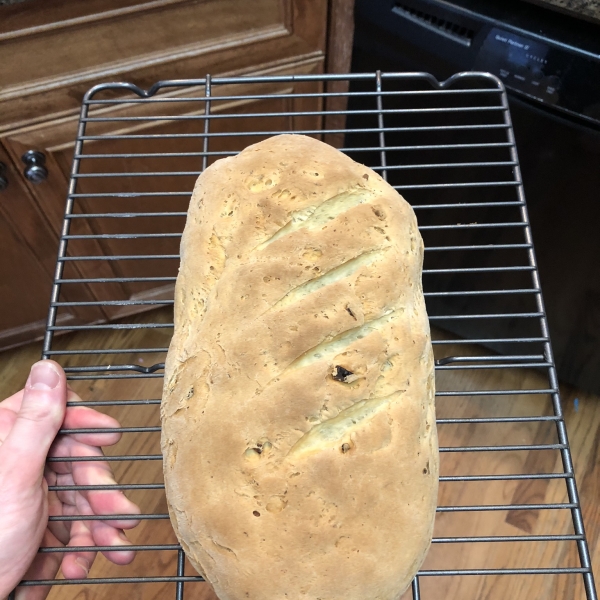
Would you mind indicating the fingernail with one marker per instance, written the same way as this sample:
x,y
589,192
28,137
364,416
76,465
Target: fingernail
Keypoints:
x,y
83,563
43,376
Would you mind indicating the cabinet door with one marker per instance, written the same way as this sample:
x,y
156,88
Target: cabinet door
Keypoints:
x,y
28,250
25,284
24,291
145,172
39,220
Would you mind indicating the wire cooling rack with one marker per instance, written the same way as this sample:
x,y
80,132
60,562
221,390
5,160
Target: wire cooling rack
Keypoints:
x,y
449,149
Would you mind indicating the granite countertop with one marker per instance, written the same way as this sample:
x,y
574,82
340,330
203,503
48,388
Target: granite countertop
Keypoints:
x,y
588,9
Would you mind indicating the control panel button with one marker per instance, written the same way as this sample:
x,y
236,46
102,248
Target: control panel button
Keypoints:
x,y
536,74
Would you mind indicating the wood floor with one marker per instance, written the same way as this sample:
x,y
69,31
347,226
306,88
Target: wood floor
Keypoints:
x,y
582,415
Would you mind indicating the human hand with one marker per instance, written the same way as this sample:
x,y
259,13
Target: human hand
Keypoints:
x,y
29,422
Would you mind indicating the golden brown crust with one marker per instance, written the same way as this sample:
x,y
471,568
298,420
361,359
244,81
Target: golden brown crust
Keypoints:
x,y
299,439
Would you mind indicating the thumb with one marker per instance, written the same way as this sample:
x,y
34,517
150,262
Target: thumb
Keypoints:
x,y
42,411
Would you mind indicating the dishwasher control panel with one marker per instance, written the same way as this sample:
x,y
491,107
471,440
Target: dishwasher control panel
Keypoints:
x,y
551,74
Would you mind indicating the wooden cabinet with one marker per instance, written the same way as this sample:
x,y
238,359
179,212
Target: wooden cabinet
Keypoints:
x,y
28,250
52,51
24,283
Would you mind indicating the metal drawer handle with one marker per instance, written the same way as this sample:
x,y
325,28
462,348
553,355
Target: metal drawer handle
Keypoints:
x,y
35,171
3,179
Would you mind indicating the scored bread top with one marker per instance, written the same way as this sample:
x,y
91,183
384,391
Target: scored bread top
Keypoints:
x,y
299,440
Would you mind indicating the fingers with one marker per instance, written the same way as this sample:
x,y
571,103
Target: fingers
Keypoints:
x,y
60,529
84,473
109,502
91,502
87,502
105,502
76,565
83,417
106,535
76,417
44,566
40,415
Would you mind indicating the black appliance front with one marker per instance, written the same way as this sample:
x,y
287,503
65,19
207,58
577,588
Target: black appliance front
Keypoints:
x,y
550,65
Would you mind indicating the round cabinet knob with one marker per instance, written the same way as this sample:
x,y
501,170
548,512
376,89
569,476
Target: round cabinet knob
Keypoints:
x,y
35,171
3,180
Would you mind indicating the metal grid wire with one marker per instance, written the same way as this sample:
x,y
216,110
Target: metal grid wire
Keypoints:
x,y
449,148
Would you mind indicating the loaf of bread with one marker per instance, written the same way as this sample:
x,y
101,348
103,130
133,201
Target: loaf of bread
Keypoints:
x,y
298,420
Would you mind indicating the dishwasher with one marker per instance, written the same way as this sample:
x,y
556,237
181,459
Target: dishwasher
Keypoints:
x,y
550,65
448,147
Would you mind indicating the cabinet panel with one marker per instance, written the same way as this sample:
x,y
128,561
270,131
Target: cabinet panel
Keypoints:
x,y
21,19
136,38
24,284
46,211
24,289
27,261
53,102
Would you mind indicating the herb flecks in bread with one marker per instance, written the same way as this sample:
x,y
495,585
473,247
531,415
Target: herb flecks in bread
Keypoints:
x,y
299,439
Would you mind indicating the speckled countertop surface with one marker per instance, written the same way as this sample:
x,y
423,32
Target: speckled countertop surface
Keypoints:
x,y
589,9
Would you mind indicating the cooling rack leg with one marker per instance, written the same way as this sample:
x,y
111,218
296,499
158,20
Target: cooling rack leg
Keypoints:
x,y
416,589
180,573
582,546
207,92
62,248
380,124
